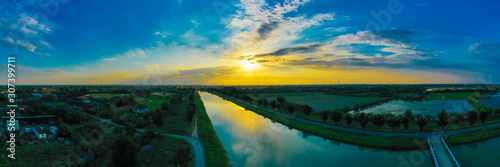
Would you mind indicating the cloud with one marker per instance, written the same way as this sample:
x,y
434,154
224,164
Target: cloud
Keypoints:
x,y
110,60
258,27
265,29
163,34
195,23
46,44
293,50
8,42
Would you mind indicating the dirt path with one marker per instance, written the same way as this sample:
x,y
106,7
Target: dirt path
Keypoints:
x,y
195,128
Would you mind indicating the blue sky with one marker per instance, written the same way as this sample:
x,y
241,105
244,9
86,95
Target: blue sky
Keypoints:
x,y
273,42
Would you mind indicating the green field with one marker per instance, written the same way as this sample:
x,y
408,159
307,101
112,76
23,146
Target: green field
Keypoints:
x,y
318,101
471,137
41,154
162,152
105,95
451,96
152,102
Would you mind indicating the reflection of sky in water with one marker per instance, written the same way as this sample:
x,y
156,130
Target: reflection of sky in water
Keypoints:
x,y
493,101
430,107
478,154
252,140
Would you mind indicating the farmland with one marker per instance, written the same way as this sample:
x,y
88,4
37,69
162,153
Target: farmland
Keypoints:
x,y
105,95
452,96
318,101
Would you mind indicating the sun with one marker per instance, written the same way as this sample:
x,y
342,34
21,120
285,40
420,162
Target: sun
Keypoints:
x,y
249,65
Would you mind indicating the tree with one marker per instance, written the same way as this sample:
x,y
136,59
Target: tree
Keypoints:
x,y
443,119
4,161
336,116
421,121
405,120
47,98
408,114
183,157
265,102
306,109
273,104
483,115
378,120
290,108
394,121
247,98
363,119
348,120
281,100
125,151
472,117
259,101
324,116
458,119
63,130
165,107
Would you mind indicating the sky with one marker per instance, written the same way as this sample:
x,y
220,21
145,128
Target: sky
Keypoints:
x,y
250,42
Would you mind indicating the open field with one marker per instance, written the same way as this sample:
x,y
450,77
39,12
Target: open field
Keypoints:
x,y
471,137
173,123
41,154
318,101
105,95
393,143
162,152
214,151
451,96
152,102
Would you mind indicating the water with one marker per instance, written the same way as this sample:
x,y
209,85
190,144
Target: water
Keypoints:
x,y
430,107
493,101
252,140
480,154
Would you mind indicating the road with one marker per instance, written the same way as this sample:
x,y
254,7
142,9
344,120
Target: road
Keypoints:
x,y
199,152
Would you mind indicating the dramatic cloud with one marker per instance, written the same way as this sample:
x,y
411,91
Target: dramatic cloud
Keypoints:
x,y
292,50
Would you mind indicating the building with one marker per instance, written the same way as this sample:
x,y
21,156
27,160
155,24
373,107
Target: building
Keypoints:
x,y
53,129
140,109
45,90
23,107
84,99
40,133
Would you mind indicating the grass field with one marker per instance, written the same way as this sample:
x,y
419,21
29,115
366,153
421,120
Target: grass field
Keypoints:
x,y
451,96
471,137
392,143
41,154
105,95
214,151
174,124
318,101
152,102
162,152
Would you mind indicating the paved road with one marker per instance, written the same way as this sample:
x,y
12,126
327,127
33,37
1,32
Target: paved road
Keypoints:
x,y
199,152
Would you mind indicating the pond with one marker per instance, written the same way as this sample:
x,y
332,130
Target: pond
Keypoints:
x,y
493,101
430,107
253,140
479,154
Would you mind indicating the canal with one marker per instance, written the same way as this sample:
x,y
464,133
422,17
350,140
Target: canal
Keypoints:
x,y
253,140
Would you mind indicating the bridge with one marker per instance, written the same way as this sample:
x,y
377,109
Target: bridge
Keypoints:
x,y
441,154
